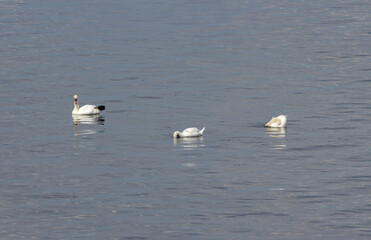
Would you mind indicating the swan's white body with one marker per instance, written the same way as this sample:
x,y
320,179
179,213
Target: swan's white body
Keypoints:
x,y
189,132
86,109
279,121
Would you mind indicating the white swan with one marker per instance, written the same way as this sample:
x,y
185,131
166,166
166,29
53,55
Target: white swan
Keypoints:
x,y
279,121
189,132
86,109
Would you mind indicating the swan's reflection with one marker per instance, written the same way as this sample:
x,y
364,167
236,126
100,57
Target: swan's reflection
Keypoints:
x,y
189,143
279,134
86,119
276,132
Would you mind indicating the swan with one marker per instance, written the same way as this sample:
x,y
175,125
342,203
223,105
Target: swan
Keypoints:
x,y
189,132
86,109
279,121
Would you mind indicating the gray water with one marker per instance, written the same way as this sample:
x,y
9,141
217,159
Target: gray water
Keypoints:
x,y
161,66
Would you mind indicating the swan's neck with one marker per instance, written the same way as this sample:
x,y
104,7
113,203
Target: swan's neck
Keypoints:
x,y
76,108
177,134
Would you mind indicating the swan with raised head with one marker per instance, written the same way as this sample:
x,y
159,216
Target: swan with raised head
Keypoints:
x,y
189,132
279,121
86,109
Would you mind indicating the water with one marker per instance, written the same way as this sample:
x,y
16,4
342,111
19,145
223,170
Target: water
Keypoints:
x,y
161,66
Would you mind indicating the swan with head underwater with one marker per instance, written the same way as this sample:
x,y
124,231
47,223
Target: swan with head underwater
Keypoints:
x,y
86,109
189,132
279,121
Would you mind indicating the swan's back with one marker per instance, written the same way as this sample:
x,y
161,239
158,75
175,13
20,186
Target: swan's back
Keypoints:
x,y
279,121
192,132
89,109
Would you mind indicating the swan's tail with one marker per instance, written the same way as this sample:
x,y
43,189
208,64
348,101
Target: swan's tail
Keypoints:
x,y
101,107
202,131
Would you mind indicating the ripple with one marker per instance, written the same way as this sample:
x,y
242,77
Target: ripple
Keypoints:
x,y
148,97
263,213
53,196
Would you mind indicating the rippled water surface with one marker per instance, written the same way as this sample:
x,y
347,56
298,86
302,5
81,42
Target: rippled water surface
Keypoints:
x,y
161,66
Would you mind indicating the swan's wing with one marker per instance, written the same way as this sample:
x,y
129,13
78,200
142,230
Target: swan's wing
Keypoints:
x,y
88,109
190,131
274,122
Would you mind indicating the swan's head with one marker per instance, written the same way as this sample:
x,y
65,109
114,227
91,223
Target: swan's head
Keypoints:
x,y
177,134
75,98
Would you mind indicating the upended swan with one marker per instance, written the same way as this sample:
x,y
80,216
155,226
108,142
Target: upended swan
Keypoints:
x,y
189,132
279,121
86,109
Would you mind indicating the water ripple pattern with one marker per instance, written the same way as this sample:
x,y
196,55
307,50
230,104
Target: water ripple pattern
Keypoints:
x,y
159,66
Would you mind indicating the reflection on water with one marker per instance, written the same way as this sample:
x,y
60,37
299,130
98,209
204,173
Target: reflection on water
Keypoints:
x,y
276,132
83,132
86,119
279,134
189,143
